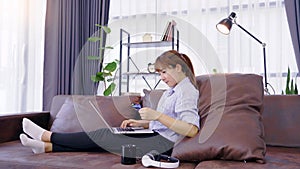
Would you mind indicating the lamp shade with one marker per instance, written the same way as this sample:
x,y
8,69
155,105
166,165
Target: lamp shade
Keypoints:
x,y
225,25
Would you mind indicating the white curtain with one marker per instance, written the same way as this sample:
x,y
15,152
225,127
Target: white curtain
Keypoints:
x,y
21,55
196,21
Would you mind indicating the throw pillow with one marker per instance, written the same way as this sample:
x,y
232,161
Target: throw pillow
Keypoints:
x,y
76,114
66,119
230,107
151,98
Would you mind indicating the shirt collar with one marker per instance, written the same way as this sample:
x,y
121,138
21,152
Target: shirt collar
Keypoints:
x,y
181,83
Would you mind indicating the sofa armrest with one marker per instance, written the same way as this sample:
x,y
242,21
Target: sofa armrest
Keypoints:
x,y
11,125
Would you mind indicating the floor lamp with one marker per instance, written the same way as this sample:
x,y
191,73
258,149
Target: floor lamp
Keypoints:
x,y
224,27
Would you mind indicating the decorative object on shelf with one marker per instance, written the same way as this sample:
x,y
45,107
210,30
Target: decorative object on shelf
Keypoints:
x,y
106,74
290,89
168,33
224,27
151,68
215,70
147,37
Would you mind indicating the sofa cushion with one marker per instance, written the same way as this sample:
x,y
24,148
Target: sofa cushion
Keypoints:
x,y
281,120
14,155
76,114
276,158
230,107
66,119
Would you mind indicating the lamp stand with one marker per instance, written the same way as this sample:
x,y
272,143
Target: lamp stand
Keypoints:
x,y
264,53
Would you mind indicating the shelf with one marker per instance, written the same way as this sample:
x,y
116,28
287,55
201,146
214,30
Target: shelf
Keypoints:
x,y
140,73
148,44
174,43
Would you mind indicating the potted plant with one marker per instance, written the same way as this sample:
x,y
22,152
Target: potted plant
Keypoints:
x,y
106,73
291,86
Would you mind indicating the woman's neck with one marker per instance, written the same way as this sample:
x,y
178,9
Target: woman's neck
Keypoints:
x,y
181,77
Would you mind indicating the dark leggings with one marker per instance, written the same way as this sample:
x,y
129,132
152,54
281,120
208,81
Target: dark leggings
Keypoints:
x,y
103,140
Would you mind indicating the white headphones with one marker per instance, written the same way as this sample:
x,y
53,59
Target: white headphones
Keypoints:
x,y
153,159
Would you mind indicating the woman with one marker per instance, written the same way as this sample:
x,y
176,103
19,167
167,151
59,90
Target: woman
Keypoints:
x,y
176,117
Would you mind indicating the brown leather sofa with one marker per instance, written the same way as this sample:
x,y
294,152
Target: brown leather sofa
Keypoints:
x,y
273,144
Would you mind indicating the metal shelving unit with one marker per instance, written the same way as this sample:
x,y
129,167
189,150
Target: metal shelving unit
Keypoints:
x,y
128,45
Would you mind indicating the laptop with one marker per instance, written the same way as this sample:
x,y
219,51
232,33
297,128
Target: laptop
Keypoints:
x,y
119,130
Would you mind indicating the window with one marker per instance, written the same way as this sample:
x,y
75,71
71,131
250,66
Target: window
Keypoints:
x,y
237,52
21,55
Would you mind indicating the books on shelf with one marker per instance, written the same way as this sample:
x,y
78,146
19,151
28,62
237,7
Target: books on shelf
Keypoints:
x,y
169,31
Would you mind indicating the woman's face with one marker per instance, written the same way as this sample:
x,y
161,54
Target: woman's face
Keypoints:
x,y
169,76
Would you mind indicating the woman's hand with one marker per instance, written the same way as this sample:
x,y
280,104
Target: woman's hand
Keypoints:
x,y
135,123
147,113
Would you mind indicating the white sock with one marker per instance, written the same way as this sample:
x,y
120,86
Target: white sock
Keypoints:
x,y
32,129
36,145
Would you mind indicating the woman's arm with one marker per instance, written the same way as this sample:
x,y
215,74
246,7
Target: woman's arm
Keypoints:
x,y
178,126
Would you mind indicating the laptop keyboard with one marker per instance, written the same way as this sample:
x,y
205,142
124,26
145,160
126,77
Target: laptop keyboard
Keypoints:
x,y
124,129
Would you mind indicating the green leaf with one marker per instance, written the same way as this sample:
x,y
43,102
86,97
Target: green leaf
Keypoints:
x,y
112,66
287,87
96,78
93,78
287,90
110,89
98,25
292,87
106,47
99,73
109,47
106,74
110,79
100,76
106,29
93,58
94,39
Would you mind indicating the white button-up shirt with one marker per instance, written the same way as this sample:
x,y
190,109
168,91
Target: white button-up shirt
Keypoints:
x,y
180,102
